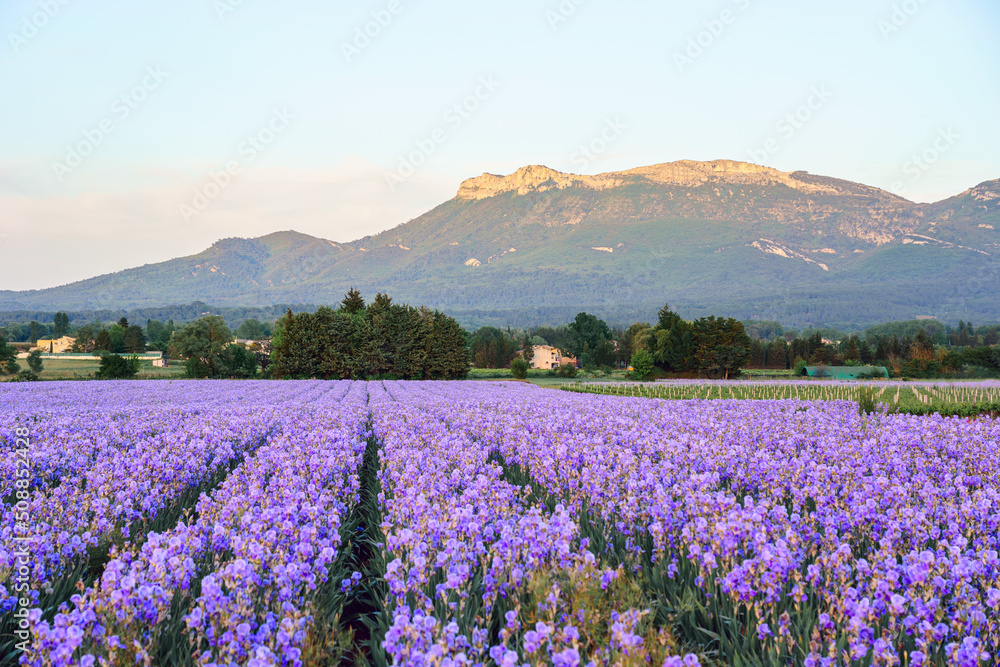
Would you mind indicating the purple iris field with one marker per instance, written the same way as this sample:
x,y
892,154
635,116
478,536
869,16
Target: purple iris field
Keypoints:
x,y
478,523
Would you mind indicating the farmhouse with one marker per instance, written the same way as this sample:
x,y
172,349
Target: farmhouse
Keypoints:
x,y
57,345
546,356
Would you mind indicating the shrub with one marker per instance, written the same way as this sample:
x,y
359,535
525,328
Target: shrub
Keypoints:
x,y
519,368
566,371
117,367
25,376
196,368
642,366
238,362
35,361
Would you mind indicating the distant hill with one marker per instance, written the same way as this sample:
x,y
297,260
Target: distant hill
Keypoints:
x,y
538,245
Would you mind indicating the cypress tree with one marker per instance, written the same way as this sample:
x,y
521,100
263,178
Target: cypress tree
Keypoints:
x,y
448,353
352,303
103,341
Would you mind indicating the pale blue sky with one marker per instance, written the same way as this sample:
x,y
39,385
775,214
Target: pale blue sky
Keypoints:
x,y
886,94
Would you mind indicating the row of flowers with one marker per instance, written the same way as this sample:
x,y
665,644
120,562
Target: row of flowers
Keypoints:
x,y
836,537
108,467
236,585
478,572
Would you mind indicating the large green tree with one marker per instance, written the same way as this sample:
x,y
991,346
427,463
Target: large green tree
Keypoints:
x,y
60,326
134,340
722,346
492,348
777,355
852,351
238,362
8,358
590,341
103,341
116,333
352,303
675,347
296,349
557,337
158,334
637,337
587,333
447,349
251,329
393,339
666,318
672,342
204,340
84,339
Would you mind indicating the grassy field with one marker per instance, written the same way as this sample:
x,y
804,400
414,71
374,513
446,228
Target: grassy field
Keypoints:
x,y
769,373
61,369
545,378
954,398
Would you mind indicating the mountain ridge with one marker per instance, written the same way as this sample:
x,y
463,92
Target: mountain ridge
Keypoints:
x,y
719,236
683,173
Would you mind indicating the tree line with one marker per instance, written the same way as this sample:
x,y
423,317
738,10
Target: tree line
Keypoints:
x,y
709,346
714,347
121,337
19,322
720,347
385,339
382,339
921,356
354,341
